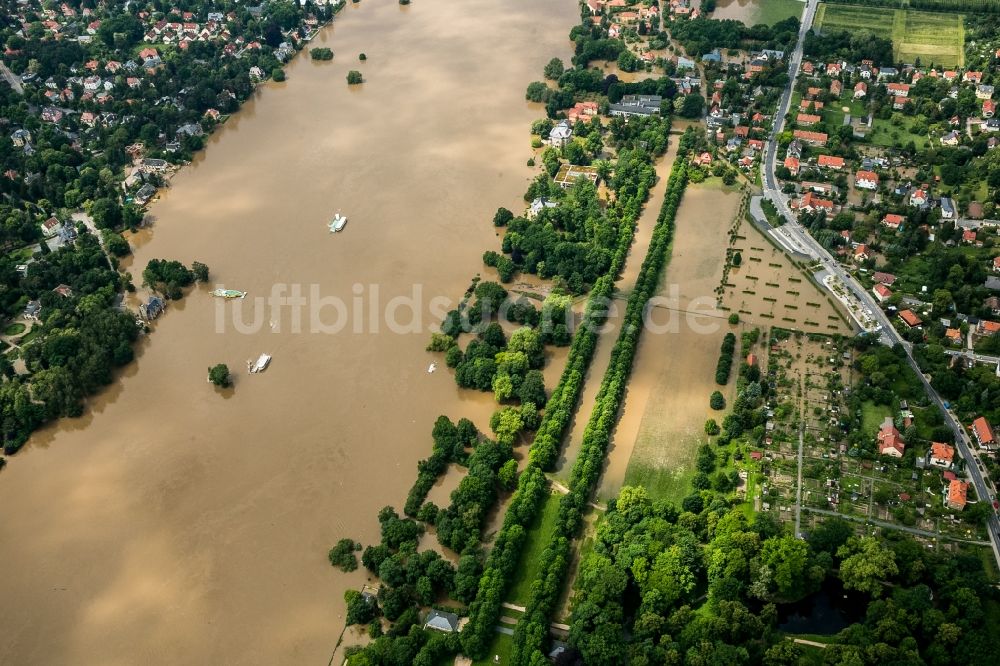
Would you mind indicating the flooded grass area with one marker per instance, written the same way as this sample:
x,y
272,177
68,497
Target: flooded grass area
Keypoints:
x,y
755,12
666,403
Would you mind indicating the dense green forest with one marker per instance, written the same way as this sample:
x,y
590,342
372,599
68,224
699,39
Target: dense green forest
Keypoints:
x,y
704,585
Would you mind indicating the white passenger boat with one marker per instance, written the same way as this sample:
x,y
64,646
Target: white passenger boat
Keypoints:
x,y
259,365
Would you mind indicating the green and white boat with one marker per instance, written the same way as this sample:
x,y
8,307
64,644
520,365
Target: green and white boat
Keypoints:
x,y
229,293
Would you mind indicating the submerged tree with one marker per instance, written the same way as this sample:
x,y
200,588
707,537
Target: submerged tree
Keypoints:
x,y
219,375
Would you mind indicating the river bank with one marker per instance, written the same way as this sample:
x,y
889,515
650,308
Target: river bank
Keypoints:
x,y
170,524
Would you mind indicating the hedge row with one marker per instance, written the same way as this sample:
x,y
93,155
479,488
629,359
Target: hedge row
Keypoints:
x,y
532,631
725,360
533,486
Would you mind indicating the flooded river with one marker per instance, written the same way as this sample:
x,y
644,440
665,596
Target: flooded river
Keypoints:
x,y
174,524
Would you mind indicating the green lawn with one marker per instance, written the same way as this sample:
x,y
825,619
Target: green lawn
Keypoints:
x,y
932,37
17,328
659,482
884,133
531,556
872,416
772,11
500,647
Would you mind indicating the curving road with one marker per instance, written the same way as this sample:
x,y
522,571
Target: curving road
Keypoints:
x,y
985,490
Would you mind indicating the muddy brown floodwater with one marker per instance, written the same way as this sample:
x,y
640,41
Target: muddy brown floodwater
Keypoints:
x,y
172,524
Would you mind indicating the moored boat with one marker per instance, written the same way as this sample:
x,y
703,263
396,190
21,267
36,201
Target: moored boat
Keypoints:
x,y
228,293
338,222
260,364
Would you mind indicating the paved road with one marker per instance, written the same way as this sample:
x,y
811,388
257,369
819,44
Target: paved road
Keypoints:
x,y
888,335
14,82
978,358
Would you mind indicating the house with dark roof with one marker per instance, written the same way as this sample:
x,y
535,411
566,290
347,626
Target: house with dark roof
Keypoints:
x,y
441,621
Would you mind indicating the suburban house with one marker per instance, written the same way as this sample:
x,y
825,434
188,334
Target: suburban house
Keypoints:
x,y
810,202
440,621
812,138
910,319
893,221
882,293
836,88
996,264
860,90
918,197
987,328
989,108
538,205
32,310
561,134
807,119
866,180
890,442
50,227
63,290
831,162
957,492
951,138
581,110
884,278
861,252
898,89
947,209
983,432
152,308
942,455
792,164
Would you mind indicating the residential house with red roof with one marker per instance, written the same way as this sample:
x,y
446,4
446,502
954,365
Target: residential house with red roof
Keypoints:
x,y
866,180
792,164
942,455
860,90
807,119
910,318
882,293
957,494
830,162
889,441
953,335
983,432
898,89
893,221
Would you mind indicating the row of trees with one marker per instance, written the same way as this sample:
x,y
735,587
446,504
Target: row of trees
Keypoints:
x,y
532,485
725,363
532,631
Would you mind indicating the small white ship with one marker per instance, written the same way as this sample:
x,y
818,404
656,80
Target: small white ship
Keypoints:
x,y
253,367
338,222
